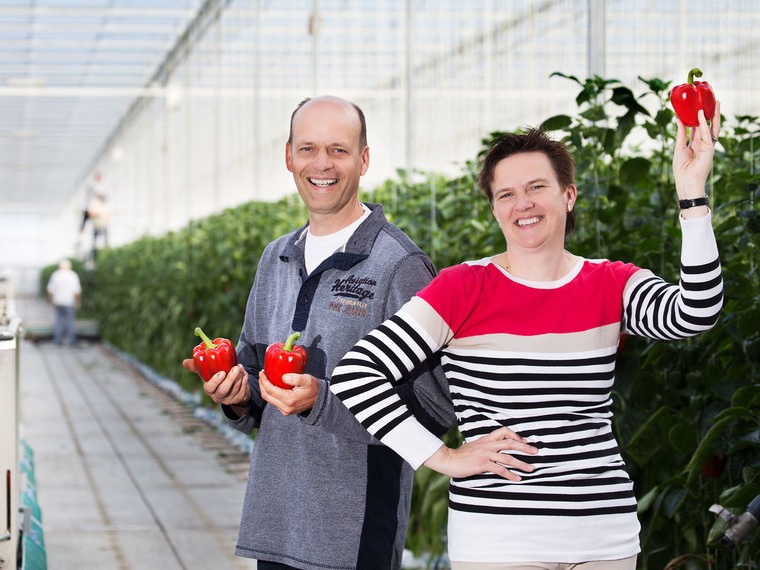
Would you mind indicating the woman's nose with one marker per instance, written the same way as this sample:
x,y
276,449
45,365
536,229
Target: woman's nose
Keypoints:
x,y
523,201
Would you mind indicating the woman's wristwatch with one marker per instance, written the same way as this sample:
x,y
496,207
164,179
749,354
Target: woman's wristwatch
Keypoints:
x,y
693,202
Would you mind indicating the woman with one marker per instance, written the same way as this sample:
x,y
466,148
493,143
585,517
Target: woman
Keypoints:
x,y
528,340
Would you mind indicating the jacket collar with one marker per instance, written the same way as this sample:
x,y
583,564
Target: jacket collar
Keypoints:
x,y
358,247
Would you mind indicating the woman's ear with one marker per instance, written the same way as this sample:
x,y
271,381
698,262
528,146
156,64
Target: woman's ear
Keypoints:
x,y
572,196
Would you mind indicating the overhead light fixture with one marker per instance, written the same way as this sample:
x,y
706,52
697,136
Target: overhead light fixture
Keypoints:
x,y
174,95
22,134
117,154
25,82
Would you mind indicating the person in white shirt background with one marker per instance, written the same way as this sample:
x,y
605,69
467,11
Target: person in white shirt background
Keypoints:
x,y
64,292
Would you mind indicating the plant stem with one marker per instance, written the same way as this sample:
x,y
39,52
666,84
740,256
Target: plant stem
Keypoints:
x,y
206,340
695,72
291,340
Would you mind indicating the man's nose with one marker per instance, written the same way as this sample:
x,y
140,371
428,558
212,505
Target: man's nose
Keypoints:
x,y
323,160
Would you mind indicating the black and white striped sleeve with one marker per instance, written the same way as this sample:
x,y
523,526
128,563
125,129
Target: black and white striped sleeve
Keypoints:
x,y
364,381
660,310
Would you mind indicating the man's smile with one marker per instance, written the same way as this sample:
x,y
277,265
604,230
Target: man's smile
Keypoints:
x,y
322,183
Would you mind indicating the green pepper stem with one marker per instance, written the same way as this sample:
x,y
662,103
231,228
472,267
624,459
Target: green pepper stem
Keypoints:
x,y
696,72
291,340
206,340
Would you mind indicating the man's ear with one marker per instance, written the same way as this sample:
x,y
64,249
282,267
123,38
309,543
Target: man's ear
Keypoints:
x,y
365,160
289,157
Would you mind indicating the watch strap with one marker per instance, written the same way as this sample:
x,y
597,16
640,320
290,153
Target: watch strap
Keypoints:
x,y
693,202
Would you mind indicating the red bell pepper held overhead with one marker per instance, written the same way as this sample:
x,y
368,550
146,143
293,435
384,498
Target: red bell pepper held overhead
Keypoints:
x,y
688,98
284,358
212,357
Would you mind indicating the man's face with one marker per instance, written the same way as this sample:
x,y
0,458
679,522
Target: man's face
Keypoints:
x,y
326,158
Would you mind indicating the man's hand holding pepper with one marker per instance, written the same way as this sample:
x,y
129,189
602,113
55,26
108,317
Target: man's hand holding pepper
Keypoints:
x,y
230,389
301,398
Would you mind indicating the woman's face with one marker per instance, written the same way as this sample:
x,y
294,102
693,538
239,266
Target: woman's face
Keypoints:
x,y
528,202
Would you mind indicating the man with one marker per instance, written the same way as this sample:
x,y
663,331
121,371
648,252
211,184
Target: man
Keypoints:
x,y
64,292
321,492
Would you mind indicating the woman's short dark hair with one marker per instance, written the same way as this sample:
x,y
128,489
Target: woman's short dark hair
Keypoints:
x,y
531,140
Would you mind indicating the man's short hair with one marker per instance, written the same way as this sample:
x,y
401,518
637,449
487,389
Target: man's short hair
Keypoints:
x,y
362,121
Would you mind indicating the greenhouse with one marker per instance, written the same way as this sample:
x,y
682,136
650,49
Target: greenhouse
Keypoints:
x,y
148,148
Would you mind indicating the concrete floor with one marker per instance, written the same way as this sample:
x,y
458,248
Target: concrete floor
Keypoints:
x,y
126,477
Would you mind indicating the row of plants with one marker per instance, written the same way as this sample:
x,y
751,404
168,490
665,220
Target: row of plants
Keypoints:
x,y
687,413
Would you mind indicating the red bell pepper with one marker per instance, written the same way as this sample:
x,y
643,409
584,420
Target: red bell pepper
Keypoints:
x,y
715,466
690,97
284,358
212,357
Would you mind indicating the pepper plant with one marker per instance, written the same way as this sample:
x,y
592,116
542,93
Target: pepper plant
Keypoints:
x,y
687,413
681,408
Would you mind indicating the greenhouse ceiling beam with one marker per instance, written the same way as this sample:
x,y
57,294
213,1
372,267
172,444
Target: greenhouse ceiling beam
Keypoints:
x,y
105,92
92,12
172,91
207,14
595,38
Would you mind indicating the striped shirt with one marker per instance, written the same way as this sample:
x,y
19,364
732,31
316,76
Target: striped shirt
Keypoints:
x,y
539,358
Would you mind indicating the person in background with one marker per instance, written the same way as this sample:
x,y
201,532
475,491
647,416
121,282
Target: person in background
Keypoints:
x,y
528,339
100,216
89,193
64,292
321,492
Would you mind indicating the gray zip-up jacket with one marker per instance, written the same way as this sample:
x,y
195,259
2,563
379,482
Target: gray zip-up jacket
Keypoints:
x,y
322,493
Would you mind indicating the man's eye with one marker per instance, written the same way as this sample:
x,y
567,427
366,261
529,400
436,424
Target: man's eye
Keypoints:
x,y
537,187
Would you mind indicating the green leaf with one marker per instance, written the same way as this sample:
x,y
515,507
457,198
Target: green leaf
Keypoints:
x,y
739,497
594,114
610,141
705,448
624,96
645,502
664,118
635,170
648,439
751,439
673,500
683,437
557,123
656,85
572,77
746,397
